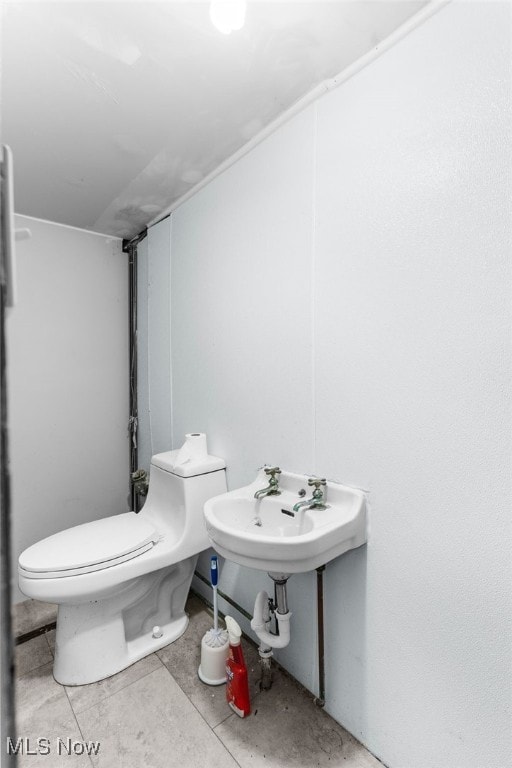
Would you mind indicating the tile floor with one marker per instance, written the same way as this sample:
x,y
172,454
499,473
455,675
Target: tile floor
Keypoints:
x,y
157,713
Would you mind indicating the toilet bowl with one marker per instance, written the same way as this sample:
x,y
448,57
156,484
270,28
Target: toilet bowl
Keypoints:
x,y
121,583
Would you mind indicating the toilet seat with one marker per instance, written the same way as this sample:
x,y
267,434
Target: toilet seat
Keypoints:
x,y
89,547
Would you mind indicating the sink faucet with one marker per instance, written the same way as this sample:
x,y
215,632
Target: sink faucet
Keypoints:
x,y
272,489
317,501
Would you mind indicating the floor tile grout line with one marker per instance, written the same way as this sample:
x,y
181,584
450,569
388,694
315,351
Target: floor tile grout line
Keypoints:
x,y
212,728
76,721
228,715
29,671
225,747
49,646
109,695
186,694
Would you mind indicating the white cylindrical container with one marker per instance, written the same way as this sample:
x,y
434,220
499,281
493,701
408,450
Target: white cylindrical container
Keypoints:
x,y
212,669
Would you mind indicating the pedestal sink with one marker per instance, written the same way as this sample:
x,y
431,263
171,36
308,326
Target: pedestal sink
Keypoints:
x,y
267,534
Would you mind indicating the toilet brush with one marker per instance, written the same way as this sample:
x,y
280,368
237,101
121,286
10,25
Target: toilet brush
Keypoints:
x,y
215,642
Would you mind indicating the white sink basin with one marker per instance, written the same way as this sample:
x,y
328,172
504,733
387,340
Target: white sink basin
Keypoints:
x,y
268,535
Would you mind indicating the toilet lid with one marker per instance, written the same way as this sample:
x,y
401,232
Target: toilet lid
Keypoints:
x,y
89,547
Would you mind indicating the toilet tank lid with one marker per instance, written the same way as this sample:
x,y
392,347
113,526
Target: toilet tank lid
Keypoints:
x,y
190,467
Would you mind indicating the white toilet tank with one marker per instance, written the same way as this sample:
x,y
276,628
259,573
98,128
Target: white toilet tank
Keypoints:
x,y
177,493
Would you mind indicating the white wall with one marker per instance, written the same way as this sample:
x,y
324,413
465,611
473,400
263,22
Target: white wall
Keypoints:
x,y
340,304
67,346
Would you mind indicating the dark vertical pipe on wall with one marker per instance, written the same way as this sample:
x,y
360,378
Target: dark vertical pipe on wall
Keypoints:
x,y
132,422
130,247
7,658
320,701
8,725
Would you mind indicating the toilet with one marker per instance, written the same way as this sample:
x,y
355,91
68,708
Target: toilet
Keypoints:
x,y
121,583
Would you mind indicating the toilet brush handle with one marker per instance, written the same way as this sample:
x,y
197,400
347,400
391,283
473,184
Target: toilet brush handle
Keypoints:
x,y
214,578
215,610
214,574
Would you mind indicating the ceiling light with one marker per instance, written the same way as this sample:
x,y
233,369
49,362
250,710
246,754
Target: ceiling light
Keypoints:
x,y
227,15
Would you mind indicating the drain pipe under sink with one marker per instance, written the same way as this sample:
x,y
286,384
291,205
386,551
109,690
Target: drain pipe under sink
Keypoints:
x,y
261,621
260,624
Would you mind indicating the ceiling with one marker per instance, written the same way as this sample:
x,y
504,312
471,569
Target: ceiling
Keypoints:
x,y
114,110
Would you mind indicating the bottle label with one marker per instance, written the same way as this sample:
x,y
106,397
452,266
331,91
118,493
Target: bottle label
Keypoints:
x,y
237,690
239,712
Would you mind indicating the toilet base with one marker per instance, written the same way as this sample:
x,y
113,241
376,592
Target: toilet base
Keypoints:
x,y
97,639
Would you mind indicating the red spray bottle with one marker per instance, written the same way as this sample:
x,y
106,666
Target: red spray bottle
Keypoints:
x,y
237,685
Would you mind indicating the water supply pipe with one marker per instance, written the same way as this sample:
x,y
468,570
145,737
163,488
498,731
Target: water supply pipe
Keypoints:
x,y
320,699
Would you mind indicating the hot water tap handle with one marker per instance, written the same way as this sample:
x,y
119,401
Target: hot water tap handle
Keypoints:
x,y
318,483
